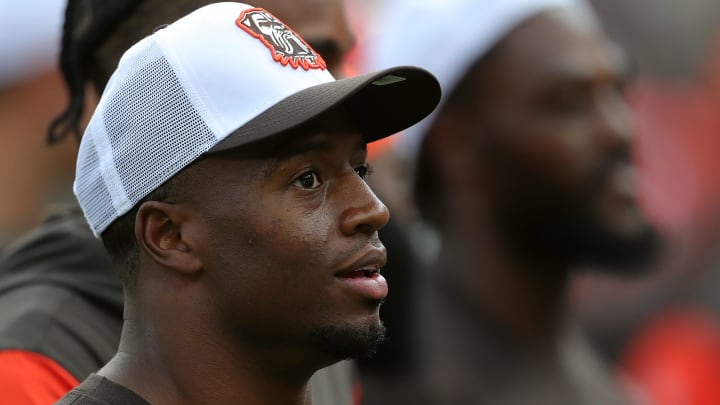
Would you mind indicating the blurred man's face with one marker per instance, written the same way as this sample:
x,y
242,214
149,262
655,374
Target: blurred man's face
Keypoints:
x,y
322,23
556,136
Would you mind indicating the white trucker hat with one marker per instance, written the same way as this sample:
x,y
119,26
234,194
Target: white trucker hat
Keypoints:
x,y
223,76
446,37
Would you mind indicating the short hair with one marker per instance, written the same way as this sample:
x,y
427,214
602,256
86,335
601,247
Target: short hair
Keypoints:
x,y
88,23
119,238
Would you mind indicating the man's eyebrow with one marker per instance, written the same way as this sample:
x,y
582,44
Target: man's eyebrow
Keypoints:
x,y
361,146
304,146
289,150
312,145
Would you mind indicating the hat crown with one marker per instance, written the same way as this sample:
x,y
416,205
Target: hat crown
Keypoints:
x,y
180,91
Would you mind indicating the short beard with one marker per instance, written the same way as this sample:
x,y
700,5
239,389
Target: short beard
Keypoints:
x,y
598,247
344,341
574,238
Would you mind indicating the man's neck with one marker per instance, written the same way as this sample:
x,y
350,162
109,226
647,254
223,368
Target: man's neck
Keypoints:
x,y
524,296
178,373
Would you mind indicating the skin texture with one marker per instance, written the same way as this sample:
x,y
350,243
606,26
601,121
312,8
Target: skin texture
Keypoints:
x,y
250,255
531,156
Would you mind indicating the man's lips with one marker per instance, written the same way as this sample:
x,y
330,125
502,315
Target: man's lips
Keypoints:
x,y
363,275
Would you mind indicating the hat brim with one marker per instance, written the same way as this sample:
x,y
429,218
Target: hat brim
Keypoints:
x,y
380,104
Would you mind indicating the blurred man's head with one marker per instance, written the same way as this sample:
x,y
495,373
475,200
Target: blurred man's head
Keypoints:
x,y
536,132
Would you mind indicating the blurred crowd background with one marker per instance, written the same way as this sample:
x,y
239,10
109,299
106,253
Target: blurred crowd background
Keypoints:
x,y
659,328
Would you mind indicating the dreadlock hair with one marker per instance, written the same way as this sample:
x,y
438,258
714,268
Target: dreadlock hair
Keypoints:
x,y
95,35
88,23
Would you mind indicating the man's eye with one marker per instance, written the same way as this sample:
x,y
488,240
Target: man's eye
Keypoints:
x,y
308,180
570,100
363,171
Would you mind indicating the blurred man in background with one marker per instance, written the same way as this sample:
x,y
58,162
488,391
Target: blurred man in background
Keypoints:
x,y
669,340
525,171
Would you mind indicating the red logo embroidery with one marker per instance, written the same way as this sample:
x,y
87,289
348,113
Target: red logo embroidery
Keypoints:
x,y
286,47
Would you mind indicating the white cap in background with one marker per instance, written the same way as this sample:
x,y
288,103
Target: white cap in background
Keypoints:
x,y
445,37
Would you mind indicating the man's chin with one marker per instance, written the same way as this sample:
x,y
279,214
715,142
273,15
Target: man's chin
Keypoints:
x,y
580,240
349,341
620,253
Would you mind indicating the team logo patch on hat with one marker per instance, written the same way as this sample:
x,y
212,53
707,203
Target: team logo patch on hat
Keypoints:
x,y
286,47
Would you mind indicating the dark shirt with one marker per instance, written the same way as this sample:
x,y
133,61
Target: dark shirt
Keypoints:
x,y
98,390
59,295
60,298
473,359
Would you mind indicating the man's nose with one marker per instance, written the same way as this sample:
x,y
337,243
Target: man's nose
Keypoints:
x,y
365,213
613,121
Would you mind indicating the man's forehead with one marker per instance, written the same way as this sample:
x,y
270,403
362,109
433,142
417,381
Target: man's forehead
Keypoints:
x,y
561,44
319,134
320,142
318,21
301,14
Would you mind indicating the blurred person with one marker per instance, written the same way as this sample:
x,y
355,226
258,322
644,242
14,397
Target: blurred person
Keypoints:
x,y
248,248
31,94
674,102
664,330
400,353
673,352
525,172
61,300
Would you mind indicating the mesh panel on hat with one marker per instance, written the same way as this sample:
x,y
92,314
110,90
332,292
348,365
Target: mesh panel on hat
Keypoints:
x,y
92,186
150,129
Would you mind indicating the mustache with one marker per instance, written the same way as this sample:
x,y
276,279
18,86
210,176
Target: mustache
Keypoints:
x,y
359,248
619,156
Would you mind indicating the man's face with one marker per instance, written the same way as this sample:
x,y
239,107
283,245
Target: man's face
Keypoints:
x,y
292,250
322,23
555,142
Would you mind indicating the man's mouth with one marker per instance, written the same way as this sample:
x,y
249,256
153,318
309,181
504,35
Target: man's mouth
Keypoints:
x,y
363,276
361,273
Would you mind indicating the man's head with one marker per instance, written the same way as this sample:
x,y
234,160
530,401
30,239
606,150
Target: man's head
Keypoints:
x,y
97,32
237,178
536,132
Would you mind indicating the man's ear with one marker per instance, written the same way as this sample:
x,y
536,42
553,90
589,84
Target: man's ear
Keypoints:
x,y
164,232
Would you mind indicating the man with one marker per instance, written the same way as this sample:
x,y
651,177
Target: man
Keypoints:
x,y
62,302
525,172
228,186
